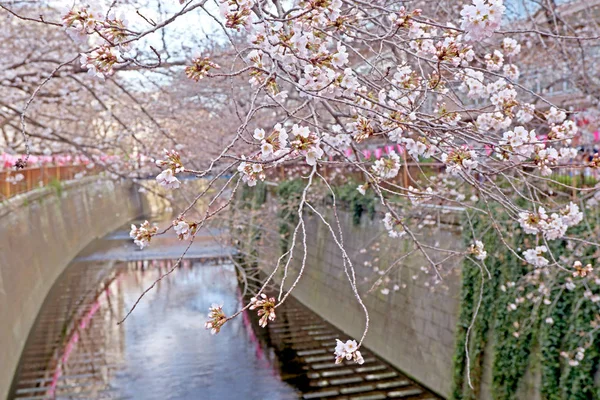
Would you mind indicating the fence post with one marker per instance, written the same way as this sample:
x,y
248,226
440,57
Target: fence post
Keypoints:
x,y
404,171
28,182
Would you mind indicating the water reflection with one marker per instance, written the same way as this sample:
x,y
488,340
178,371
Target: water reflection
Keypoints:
x,y
162,351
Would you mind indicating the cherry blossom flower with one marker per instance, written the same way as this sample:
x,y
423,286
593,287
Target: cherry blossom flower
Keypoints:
x,y
461,159
143,234
525,114
535,256
114,29
362,189
216,318
266,308
580,270
478,251
480,19
251,172
555,116
472,83
100,62
199,68
275,144
510,47
80,21
494,61
571,215
14,179
518,144
340,58
184,229
393,226
564,131
415,148
238,13
387,168
553,226
347,351
511,71
168,180
306,143
417,196
493,121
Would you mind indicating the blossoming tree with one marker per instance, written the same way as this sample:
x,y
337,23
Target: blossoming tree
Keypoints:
x,y
317,82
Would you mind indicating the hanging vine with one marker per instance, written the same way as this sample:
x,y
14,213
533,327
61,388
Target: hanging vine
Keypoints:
x,y
519,319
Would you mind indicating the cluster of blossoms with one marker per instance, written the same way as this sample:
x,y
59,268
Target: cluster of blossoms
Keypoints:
x,y
238,13
310,50
551,157
143,234
172,164
252,172
216,318
184,229
580,270
199,68
553,226
274,145
536,257
472,82
461,159
555,116
100,62
387,168
494,61
417,196
393,226
518,144
563,132
80,21
511,47
574,359
421,147
478,251
481,19
266,308
306,143
347,351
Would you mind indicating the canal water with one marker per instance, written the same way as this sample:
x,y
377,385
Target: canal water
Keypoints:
x,y
162,351
76,349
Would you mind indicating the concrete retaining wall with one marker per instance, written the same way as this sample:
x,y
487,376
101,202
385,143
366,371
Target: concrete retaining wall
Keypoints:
x,y
40,233
412,328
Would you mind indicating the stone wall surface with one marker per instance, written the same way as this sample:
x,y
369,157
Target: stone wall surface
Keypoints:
x,y
40,233
412,328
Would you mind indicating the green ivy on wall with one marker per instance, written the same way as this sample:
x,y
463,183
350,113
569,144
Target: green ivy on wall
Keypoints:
x,y
289,194
248,234
521,338
357,203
